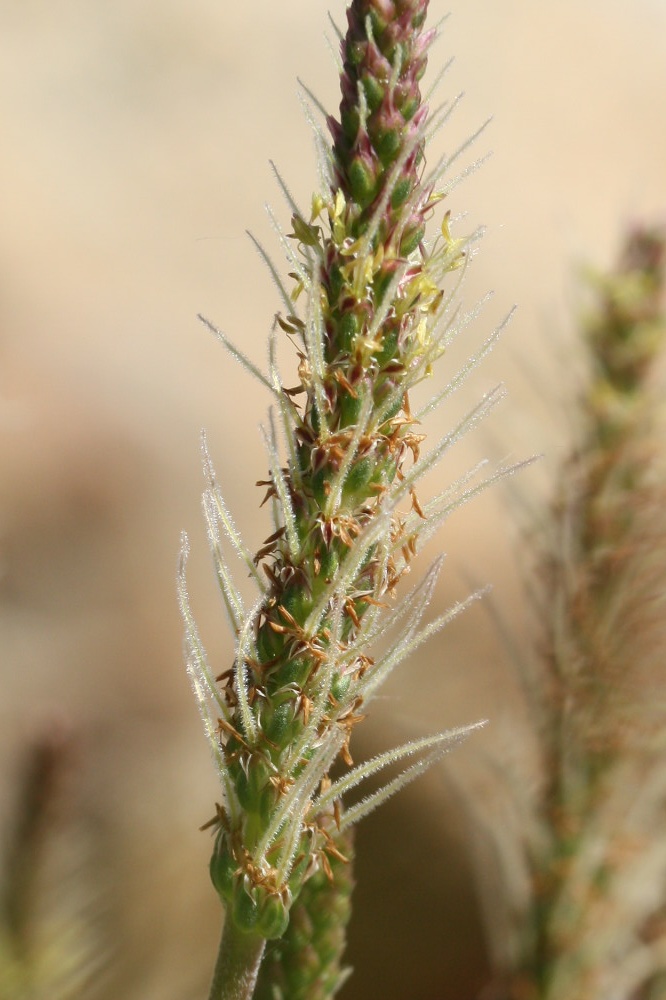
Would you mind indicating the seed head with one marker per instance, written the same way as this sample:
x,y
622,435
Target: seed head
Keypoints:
x,y
374,321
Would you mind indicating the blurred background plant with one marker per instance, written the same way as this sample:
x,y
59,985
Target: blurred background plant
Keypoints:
x,y
48,941
592,921
130,170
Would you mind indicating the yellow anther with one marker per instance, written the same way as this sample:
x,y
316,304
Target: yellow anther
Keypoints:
x,y
318,204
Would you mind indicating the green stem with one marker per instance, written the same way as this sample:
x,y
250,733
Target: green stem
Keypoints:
x,y
237,964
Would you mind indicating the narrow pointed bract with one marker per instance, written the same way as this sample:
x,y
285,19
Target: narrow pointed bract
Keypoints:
x,y
370,312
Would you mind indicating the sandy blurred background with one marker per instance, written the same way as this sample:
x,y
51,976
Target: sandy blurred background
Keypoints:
x,y
134,147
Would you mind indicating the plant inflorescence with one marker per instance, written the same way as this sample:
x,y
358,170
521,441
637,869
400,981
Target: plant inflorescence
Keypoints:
x,y
370,306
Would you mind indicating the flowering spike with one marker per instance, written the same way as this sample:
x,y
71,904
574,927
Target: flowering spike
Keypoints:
x,y
371,311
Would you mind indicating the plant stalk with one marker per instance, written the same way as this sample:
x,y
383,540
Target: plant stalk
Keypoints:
x,y
237,965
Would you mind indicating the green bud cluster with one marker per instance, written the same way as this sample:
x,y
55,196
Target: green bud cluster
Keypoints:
x,y
384,57
305,963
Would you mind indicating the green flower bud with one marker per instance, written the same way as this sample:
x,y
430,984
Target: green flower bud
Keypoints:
x,y
389,346
362,181
273,918
411,238
350,408
401,191
277,723
348,327
374,91
223,867
387,143
321,486
245,910
358,478
340,686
